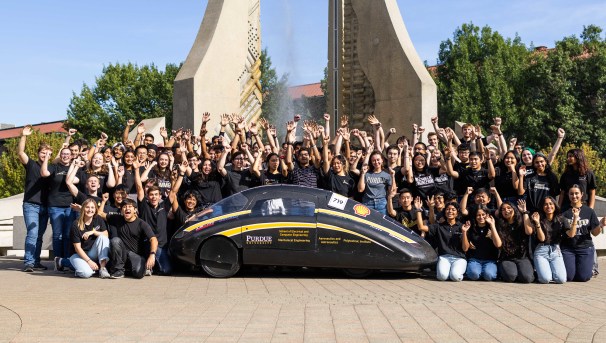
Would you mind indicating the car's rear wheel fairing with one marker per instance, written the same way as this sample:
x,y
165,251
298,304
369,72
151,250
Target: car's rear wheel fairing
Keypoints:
x,y
357,273
220,257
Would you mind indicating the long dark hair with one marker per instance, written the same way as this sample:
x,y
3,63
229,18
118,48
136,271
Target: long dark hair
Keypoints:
x,y
581,165
474,220
509,244
545,223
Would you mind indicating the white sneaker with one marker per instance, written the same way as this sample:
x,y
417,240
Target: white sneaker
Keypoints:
x,y
148,272
103,273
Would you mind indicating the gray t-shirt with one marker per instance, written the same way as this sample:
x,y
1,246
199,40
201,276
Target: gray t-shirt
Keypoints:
x,y
377,185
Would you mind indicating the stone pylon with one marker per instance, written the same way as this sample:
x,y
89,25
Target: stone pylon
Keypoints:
x,y
373,67
221,73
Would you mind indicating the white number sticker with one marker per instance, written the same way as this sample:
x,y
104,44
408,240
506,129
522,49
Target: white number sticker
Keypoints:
x,y
337,201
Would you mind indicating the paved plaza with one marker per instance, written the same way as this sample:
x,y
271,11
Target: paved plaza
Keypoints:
x,y
293,306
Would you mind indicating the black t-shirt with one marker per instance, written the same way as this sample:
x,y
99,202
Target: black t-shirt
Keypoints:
x,y
586,222
81,198
237,181
503,182
537,187
474,178
423,184
209,188
96,224
409,219
481,239
268,178
83,175
460,167
59,195
156,218
36,187
444,183
343,185
447,238
135,235
163,180
553,230
514,239
586,182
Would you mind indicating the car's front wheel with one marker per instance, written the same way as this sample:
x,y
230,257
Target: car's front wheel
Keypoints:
x,y
220,257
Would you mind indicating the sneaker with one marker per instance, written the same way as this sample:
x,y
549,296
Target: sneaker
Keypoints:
x,y
40,266
58,267
117,275
28,268
104,274
148,272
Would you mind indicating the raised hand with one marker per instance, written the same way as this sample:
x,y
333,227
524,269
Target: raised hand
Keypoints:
x,y
71,132
434,119
163,132
121,171
421,129
252,128
561,133
373,120
244,147
326,116
241,123
104,136
469,190
183,167
296,118
105,196
513,141
536,218
141,128
290,126
364,168
490,220
418,203
205,117
355,132
344,120
522,205
466,226
522,170
27,130
575,212
392,131
130,122
271,131
224,119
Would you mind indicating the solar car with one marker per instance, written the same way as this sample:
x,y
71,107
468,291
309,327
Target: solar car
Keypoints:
x,y
288,225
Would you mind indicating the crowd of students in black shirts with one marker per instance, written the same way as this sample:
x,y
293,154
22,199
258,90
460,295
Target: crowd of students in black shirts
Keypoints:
x,y
491,208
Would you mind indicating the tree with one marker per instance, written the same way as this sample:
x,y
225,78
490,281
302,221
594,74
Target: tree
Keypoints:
x,y
478,76
12,172
277,106
122,92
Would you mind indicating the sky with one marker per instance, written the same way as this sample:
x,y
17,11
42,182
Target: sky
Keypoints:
x,y
49,49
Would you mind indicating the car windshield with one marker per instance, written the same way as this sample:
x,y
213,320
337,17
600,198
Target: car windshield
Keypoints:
x,y
234,203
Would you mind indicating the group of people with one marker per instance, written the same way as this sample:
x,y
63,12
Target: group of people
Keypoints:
x,y
491,208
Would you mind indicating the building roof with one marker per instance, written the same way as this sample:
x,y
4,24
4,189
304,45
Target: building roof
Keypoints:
x,y
13,132
309,90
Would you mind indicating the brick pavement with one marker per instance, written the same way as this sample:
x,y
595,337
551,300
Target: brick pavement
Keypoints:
x,y
293,307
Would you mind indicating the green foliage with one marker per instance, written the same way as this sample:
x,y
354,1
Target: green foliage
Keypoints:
x,y
122,92
276,106
483,75
12,171
597,164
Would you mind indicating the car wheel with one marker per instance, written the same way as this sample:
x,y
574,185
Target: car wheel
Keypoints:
x,y
358,273
220,257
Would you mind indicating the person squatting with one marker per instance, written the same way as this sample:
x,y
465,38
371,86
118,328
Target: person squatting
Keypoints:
x,y
492,209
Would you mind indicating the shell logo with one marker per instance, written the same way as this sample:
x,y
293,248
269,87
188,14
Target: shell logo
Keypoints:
x,y
361,210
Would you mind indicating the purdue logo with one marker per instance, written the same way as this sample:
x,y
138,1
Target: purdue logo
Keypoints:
x,y
258,239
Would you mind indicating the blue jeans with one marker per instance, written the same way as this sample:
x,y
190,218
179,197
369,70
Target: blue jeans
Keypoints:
x,y
376,204
36,218
549,263
487,269
450,267
61,221
579,263
99,252
163,261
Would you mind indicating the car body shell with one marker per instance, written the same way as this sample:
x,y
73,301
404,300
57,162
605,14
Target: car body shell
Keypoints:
x,y
291,225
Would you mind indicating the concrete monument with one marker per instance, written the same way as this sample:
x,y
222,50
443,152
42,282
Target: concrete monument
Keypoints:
x,y
373,67
221,73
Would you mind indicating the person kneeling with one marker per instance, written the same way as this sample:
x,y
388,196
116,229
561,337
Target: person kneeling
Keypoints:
x,y
134,241
91,242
